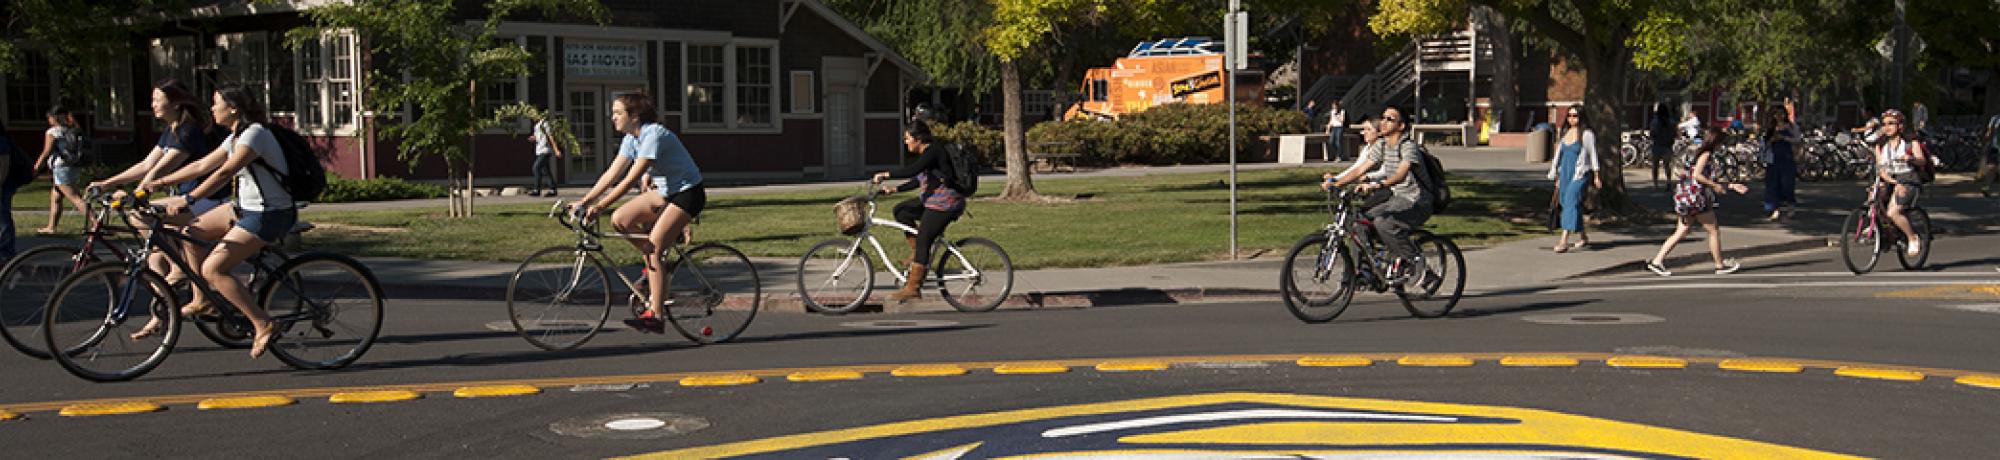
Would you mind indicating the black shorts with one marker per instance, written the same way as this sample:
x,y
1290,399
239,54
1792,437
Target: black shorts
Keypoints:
x,y
691,201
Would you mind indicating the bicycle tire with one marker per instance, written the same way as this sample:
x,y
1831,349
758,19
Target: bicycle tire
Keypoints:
x,y
1444,268
701,287
1920,222
311,304
76,305
29,279
824,268
1322,266
1855,238
971,255
550,282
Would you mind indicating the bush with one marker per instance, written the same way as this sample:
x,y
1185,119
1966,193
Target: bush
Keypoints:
x,y
986,140
1169,134
344,190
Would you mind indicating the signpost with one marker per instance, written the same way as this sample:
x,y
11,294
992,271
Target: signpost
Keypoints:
x,y
1236,43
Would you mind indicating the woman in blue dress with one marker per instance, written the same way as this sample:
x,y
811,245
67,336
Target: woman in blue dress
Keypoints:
x,y
1577,161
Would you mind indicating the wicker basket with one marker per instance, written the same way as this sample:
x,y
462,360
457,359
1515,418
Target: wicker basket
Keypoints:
x,y
850,215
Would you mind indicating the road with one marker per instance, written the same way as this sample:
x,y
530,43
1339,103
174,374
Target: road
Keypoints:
x,y
1549,372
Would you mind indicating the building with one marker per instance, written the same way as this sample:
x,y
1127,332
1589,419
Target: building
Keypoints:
x,y
761,90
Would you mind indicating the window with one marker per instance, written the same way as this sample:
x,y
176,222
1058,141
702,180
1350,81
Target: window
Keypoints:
x,y
30,92
705,85
803,95
1100,90
327,91
246,61
114,107
500,93
755,107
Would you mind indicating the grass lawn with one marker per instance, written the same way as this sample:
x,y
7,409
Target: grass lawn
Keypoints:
x,y
1116,221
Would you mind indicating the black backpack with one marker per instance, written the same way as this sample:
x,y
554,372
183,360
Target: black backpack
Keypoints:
x,y
305,178
20,168
1431,178
964,164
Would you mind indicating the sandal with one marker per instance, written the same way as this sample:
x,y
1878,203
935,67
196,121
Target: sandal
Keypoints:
x,y
202,310
152,328
1562,248
1580,245
45,231
261,343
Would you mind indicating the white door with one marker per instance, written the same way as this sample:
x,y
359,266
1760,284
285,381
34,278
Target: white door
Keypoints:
x,y
588,116
843,133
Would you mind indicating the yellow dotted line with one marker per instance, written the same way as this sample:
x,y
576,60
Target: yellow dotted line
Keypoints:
x,y
245,402
719,380
823,376
116,408
496,391
1761,365
9,415
377,396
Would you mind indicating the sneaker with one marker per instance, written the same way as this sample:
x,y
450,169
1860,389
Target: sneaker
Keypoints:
x,y
1777,214
1658,269
650,325
1915,248
1729,266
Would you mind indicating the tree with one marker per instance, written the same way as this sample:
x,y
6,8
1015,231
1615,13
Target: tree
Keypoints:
x,y
429,61
76,37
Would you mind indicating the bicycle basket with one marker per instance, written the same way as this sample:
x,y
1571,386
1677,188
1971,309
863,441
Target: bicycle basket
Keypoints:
x,y
850,215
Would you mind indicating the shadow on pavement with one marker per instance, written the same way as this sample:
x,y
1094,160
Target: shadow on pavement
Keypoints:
x,y
1479,313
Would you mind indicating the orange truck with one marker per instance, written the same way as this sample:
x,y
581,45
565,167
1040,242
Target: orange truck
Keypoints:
x,y
1154,73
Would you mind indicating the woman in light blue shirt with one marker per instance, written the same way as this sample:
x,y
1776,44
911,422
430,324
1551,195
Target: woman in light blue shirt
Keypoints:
x,y
678,194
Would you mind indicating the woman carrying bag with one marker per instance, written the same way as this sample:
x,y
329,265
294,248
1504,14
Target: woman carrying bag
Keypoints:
x,y
1574,170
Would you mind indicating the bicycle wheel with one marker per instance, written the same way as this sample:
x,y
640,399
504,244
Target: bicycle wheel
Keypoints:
x,y
559,298
91,318
835,276
28,280
1920,222
327,309
713,292
1860,246
974,275
1434,292
1318,279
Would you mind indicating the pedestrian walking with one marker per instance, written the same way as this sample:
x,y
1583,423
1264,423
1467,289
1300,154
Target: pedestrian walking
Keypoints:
x,y
1989,159
1336,133
1663,139
16,170
1576,161
61,148
547,152
1781,171
1694,203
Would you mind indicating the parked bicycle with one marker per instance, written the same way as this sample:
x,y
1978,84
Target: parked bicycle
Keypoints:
x,y
1323,271
561,296
836,276
1868,231
326,308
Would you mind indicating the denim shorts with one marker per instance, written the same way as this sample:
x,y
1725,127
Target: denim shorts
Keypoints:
x,y
64,175
269,226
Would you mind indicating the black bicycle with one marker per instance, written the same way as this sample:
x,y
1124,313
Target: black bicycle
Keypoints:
x,y
1323,270
326,308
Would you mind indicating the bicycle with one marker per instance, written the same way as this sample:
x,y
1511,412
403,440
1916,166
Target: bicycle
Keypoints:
x,y
1348,254
559,282
86,317
1869,229
836,276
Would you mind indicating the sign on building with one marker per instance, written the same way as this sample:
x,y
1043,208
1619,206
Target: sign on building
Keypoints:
x,y
604,61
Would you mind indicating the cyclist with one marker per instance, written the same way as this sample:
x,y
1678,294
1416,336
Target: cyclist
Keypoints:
x,y
1406,206
1896,164
678,195
1370,143
937,205
185,141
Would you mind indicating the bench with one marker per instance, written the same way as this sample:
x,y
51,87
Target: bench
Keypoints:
x,y
1041,157
1465,132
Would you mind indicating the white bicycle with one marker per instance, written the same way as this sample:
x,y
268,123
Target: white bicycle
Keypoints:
x,y
836,275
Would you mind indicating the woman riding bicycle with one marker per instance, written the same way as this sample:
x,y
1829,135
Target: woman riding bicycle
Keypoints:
x,y
931,211
185,141
678,193
1896,161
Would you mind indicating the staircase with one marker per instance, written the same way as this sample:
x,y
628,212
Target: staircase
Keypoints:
x,y
1395,79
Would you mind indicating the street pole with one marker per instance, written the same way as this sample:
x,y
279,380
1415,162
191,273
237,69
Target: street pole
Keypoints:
x,y
1902,58
1233,41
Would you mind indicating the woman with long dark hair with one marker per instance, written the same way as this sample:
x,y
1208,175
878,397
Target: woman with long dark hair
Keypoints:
x,y
60,147
1577,161
1694,202
186,140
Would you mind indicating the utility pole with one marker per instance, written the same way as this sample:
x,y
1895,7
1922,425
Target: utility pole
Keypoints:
x,y
1235,50
1902,54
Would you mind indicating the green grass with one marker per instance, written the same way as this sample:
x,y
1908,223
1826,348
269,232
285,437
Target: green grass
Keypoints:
x,y
1117,221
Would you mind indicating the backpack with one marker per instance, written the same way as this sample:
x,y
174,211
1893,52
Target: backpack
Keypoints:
x,y
20,168
68,148
964,165
1431,178
305,178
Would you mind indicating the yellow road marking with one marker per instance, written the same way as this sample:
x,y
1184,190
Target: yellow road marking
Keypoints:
x,y
928,370
1434,361
1030,368
1646,362
244,402
1760,365
823,376
1982,381
718,380
1947,292
5,415
1879,374
1335,361
1131,366
495,391
362,397
1538,361
112,408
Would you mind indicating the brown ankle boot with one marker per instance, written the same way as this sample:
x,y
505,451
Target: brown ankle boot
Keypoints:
x,y
912,289
913,250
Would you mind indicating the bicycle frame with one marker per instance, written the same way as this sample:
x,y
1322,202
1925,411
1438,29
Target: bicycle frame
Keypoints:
x,y
868,236
588,240
159,239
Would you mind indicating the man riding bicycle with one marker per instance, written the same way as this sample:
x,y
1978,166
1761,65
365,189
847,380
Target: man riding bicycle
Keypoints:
x,y
1405,206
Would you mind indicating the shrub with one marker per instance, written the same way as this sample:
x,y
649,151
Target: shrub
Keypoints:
x,y
1169,134
344,190
986,140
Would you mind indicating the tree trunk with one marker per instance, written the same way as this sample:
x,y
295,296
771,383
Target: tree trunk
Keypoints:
x,y
1505,98
471,145
1020,184
1603,101
457,192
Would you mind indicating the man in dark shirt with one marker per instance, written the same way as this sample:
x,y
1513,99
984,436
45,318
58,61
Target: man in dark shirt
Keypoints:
x,y
10,158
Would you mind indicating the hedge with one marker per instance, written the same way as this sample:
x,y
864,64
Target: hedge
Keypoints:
x,y
1166,135
344,190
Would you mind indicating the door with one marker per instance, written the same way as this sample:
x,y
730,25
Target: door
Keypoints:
x,y
843,133
587,117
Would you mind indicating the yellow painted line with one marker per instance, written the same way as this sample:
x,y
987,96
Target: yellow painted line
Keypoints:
x,y
1879,374
5,415
1132,366
377,396
928,370
1434,361
1982,381
1646,362
1335,361
1030,368
718,380
1947,292
116,408
1538,361
1760,365
244,402
495,391
823,376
